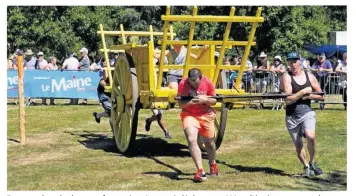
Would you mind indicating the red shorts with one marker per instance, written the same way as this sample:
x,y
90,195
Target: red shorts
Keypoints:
x,y
204,123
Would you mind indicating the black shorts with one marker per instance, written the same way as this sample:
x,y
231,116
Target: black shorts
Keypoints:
x,y
173,78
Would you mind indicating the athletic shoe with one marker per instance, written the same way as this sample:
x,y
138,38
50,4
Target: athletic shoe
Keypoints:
x,y
214,170
200,176
307,172
314,167
148,124
167,135
96,118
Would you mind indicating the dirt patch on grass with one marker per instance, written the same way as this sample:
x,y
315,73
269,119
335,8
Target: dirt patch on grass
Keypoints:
x,y
228,147
43,147
35,158
40,139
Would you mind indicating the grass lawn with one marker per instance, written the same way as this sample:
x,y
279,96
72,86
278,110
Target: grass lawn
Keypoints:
x,y
67,150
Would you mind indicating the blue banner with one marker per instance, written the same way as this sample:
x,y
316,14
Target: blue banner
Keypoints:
x,y
54,84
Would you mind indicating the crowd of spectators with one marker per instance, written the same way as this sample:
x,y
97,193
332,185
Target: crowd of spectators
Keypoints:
x,y
265,72
31,61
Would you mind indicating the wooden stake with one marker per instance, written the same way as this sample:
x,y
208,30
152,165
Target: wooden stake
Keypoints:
x,y
21,99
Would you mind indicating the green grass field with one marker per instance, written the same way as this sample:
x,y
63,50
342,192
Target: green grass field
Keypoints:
x,y
67,150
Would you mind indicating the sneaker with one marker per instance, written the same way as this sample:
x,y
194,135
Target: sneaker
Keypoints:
x,y
214,170
167,135
96,118
147,125
200,176
307,172
314,167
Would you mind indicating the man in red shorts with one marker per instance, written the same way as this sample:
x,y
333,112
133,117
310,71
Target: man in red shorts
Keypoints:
x,y
198,118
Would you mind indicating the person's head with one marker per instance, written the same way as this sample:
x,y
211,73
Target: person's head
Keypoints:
x,y
334,58
83,51
216,57
239,59
321,57
308,61
277,60
234,58
177,46
294,63
40,55
53,60
194,77
226,60
344,56
103,63
263,57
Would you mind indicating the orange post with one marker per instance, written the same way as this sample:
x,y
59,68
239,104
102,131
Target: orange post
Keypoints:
x,y
21,99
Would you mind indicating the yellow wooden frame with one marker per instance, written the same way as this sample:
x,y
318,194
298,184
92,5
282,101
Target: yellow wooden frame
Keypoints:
x,y
155,91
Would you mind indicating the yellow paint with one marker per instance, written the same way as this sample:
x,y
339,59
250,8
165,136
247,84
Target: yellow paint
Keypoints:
x,y
150,76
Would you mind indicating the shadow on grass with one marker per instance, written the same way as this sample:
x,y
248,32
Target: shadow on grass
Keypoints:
x,y
146,146
171,175
13,140
335,180
96,141
266,170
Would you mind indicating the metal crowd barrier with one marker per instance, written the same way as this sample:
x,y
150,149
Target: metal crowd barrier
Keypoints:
x,y
259,82
333,84
335,87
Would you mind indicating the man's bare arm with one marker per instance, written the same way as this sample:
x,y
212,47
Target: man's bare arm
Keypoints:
x,y
287,89
316,88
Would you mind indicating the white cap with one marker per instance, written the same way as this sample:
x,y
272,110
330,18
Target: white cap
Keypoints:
x,y
40,54
84,50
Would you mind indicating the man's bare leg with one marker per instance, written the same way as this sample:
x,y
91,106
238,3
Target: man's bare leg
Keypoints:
x,y
191,133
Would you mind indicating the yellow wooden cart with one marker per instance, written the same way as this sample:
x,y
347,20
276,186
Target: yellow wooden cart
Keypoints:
x,y
136,82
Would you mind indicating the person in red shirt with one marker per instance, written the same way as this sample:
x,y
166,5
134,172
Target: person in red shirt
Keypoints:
x,y
198,118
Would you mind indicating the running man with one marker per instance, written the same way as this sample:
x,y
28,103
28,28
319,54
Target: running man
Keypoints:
x,y
198,118
300,118
176,55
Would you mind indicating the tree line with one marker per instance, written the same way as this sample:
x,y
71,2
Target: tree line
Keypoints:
x,y
59,30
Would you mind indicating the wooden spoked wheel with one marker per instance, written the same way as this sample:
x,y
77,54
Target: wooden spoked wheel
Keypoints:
x,y
221,118
124,111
